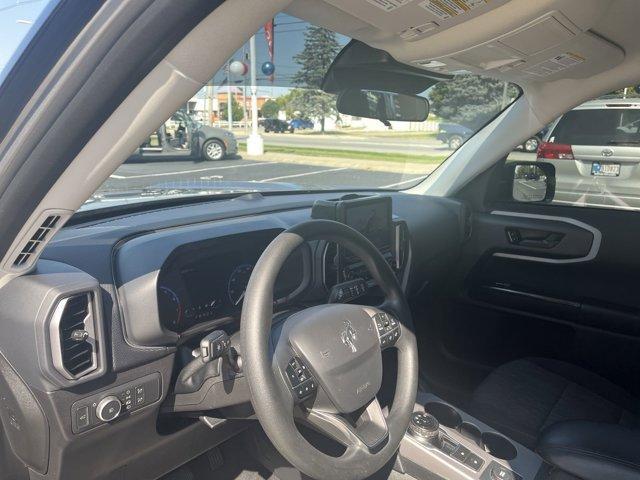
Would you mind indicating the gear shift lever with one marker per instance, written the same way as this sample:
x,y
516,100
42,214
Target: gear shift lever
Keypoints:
x,y
426,428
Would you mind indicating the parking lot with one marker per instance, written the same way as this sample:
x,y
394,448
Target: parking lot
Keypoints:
x,y
138,175
300,170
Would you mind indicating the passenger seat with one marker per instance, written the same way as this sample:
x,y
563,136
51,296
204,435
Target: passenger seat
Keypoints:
x,y
524,397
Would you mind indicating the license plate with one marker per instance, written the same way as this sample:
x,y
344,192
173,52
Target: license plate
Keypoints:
x,y
605,169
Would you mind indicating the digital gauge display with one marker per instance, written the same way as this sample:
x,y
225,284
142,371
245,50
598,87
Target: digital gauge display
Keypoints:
x,y
207,281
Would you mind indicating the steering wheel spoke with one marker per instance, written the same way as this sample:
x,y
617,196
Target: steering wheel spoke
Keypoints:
x,y
366,429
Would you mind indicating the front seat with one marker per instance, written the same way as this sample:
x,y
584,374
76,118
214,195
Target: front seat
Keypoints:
x,y
524,397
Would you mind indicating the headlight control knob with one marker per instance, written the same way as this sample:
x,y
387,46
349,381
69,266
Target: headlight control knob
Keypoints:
x,y
425,427
108,408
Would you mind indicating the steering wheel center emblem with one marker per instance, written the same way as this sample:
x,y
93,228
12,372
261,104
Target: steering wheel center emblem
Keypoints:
x,y
349,336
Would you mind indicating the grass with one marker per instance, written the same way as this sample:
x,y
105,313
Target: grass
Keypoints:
x,y
352,154
370,134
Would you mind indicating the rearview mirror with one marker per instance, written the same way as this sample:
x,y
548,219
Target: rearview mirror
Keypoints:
x,y
384,106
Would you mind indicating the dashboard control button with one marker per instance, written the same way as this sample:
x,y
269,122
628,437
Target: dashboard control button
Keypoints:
x,y
474,462
498,472
82,417
461,454
448,446
108,408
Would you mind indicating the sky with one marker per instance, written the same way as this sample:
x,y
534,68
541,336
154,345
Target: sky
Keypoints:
x,y
289,40
16,19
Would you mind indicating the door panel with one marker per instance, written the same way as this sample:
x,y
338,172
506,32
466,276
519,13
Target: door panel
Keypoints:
x,y
574,300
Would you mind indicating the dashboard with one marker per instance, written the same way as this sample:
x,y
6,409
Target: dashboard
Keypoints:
x,y
149,285
205,282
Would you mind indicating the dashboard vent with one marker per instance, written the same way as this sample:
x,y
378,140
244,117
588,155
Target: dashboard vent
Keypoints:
x,y
33,244
73,336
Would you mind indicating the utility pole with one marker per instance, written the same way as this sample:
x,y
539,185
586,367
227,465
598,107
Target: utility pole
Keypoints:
x,y
255,144
209,99
229,100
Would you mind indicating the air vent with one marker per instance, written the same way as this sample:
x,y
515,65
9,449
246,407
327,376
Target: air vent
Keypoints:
x,y
32,239
73,339
41,234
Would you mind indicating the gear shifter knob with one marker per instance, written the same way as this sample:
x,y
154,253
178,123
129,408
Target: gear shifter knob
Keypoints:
x,y
425,427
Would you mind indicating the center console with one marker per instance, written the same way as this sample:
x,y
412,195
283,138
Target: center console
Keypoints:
x,y
451,444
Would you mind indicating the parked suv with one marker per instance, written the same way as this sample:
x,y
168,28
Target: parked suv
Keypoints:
x,y
183,137
595,149
276,125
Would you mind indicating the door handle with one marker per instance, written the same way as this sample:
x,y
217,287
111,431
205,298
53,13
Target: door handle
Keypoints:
x,y
525,237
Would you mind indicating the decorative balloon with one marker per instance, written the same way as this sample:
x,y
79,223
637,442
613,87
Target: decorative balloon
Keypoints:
x,y
268,68
238,68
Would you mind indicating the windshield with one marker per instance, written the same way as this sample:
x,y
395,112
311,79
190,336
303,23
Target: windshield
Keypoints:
x,y
19,19
298,141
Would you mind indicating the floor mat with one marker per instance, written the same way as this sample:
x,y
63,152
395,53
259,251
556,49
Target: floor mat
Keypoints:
x,y
237,464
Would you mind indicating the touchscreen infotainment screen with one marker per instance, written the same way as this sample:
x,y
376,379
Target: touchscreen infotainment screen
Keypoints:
x,y
372,219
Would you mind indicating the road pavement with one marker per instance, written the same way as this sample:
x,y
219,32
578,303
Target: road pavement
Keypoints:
x,y
306,172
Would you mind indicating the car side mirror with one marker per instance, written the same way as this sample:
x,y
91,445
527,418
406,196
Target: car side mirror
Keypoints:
x,y
384,106
531,182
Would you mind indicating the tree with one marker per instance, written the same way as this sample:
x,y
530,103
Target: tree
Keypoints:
x,y
470,100
270,109
320,48
236,110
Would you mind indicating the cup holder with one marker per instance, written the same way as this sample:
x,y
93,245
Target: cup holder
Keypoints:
x,y
470,431
445,414
498,446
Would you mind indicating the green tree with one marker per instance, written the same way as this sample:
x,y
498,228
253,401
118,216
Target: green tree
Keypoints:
x,y
270,109
470,100
320,48
236,110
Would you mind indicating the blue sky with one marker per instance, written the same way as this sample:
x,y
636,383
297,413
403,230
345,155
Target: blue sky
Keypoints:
x,y
16,19
289,40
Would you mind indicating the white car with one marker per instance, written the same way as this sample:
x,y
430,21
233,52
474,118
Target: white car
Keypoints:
x,y
595,149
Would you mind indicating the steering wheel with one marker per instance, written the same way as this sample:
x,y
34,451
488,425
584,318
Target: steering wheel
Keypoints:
x,y
325,366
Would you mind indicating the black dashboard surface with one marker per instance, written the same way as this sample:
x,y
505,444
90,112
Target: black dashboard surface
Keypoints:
x,y
127,254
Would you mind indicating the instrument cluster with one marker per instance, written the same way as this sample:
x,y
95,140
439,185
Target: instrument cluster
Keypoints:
x,y
207,281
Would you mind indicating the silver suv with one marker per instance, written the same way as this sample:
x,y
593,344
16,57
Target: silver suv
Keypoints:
x,y
596,151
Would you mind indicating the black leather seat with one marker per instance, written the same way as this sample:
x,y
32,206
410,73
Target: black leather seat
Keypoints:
x,y
523,397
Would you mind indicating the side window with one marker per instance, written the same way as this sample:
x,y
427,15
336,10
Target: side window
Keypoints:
x,y
595,150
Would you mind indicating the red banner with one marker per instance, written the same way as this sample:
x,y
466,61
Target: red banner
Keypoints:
x,y
269,37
